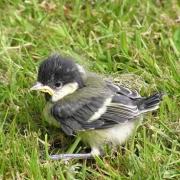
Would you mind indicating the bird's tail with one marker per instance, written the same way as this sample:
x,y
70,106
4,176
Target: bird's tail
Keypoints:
x,y
150,103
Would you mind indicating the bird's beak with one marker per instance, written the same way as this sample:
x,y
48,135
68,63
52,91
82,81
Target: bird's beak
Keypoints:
x,y
43,88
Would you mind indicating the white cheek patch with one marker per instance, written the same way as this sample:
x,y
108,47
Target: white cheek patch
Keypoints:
x,y
64,91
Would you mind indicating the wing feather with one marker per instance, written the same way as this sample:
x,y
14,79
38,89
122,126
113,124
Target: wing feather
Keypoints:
x,y
119,89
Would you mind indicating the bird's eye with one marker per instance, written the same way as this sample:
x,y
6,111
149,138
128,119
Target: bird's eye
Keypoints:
x,y
58,84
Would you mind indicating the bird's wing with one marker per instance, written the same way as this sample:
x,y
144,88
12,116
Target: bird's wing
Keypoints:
x,y
119,89
95,113
75,114
120,110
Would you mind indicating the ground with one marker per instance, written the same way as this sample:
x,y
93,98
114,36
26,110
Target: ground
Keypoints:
x,y
112,37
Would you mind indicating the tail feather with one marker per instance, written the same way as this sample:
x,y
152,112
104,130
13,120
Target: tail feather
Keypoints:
x,y
150,103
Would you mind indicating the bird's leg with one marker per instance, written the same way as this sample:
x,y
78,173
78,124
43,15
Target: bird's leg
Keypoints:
x,y
92,154
71,156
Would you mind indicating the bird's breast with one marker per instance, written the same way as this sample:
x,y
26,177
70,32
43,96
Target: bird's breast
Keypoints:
x,y
48,116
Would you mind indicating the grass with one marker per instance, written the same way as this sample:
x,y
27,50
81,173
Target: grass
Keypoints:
x,y
108,37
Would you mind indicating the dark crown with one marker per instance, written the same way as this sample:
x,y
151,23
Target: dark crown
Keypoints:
x,y
56,67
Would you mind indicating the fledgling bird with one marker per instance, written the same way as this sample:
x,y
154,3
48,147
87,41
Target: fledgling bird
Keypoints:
x,y
86,105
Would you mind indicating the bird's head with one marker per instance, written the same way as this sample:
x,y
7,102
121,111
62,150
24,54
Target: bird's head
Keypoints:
x,y
59,77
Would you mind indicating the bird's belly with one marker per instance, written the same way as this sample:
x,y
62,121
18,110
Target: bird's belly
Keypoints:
x,y
115,135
